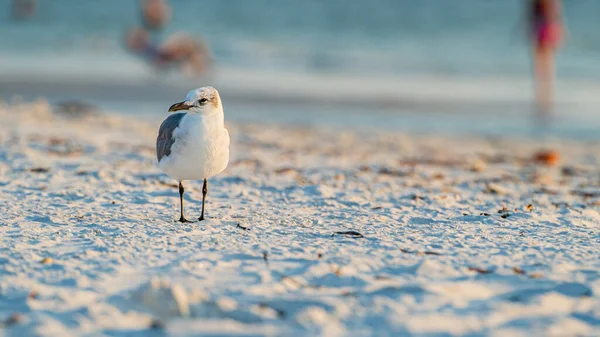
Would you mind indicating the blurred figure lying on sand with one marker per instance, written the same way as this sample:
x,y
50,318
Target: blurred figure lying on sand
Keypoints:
x,y
155,14
191,56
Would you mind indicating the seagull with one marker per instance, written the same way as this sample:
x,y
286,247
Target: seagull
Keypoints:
x,y
193,144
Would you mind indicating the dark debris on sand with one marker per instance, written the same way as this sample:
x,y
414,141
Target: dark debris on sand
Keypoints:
x,y
353,234
39,170
479,270
156,324
419,253
12,320
242,227
266,258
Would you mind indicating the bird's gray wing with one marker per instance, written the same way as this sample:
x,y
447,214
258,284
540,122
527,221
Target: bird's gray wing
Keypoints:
x,y
165,140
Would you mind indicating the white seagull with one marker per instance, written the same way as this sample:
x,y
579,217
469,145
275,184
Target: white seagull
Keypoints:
x,y
194,144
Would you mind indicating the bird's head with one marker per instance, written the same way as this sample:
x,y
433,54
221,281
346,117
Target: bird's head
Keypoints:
x,y
203,100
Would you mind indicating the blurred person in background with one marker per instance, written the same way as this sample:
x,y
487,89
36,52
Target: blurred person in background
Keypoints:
x,y
546,30
178,50
23,9
191,56
155,14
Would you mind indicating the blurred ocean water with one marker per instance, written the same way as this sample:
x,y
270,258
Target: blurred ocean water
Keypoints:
x,y
382,36
385,54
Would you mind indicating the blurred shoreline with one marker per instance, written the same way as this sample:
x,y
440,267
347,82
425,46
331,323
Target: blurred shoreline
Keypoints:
x,y
412,104
413,92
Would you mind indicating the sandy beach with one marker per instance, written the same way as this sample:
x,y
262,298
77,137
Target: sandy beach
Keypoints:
x,y
310,231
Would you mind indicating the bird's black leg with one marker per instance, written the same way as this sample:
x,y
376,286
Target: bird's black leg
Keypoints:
x,y
181,190
204,192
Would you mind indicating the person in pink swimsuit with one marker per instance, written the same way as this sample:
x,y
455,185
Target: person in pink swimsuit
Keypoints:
x,y
546,36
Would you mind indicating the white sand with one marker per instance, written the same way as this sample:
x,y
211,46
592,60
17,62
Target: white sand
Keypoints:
x,y
89,244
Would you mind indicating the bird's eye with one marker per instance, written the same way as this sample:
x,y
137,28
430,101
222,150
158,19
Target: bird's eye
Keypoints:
x,y
203,100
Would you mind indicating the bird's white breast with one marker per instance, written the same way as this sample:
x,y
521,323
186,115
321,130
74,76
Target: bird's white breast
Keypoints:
x,y
200,150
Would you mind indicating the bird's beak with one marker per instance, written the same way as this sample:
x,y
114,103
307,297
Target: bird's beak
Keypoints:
x,y
179,106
